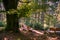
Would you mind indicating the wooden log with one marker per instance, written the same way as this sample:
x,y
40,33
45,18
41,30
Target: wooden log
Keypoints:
x,y
29,29
55,29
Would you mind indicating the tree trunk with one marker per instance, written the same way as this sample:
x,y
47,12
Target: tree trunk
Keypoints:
x,y
12,19
10,4
42,19
12,22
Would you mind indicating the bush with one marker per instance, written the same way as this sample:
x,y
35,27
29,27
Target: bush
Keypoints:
x,y
29,24
46,28
38,26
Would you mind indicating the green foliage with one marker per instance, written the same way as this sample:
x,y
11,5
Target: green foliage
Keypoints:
x,y
44,1
29,24
53,8
23,12
1,24
0,0
35,25
44,7
38,26
50,19
54,0
11,11
46,28
35,4
26,9
25,1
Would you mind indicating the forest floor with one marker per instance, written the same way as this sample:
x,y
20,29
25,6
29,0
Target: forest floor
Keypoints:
x,y
27,36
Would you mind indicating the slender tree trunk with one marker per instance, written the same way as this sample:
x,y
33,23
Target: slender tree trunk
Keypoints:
x,y
12,22
42,19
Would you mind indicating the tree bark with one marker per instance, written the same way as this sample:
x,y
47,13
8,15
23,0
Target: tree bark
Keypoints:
x,y
10,4
12,22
